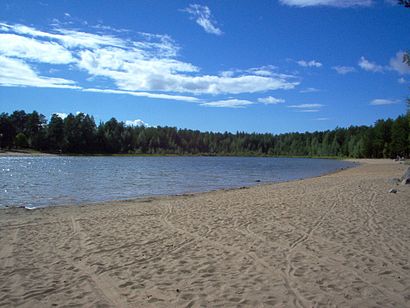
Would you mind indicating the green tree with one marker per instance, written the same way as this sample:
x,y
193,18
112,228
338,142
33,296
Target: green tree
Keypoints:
x,y
382,138
21,141
55,133
112,136
71,134
400,131
79,134
35,130
19,119
87,129
7,131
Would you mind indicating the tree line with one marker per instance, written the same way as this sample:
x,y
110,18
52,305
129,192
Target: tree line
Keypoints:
x,y
79,134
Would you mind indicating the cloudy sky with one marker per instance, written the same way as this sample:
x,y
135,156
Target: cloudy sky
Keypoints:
x,y
265,66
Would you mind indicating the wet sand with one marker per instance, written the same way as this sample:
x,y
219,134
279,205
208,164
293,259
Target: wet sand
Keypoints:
x,y
335,240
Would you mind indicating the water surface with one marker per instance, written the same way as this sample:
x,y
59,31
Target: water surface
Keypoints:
x,y
45,181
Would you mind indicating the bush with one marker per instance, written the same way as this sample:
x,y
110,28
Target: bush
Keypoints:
x,y
21,141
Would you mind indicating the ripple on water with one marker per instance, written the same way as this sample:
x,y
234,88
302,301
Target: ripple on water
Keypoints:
x,y
44,181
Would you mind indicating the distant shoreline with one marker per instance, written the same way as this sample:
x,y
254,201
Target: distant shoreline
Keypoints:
x,y
17,153
24,152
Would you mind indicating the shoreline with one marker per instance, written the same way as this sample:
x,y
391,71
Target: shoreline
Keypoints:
x,y
23,153
338,239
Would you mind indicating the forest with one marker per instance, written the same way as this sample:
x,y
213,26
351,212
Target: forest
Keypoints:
x,y
79,134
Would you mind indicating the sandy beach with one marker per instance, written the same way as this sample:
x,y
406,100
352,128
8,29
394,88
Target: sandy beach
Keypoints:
x,y
337,240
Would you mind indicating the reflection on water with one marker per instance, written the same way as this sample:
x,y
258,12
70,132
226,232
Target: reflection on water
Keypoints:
x,y
43,181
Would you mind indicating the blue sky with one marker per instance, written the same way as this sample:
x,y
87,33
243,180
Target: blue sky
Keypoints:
x,y
256,66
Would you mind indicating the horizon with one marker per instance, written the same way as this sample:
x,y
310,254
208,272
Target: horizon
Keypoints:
x,y
284,66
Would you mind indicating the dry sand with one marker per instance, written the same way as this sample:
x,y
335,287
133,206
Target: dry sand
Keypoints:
x,y
336,240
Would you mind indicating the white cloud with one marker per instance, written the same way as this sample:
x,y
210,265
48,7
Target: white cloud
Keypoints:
x,y
312,63
343,70
240,103
137,122
309,90
383,101
15,72
322,119
266,70
335,3
157,44
233,85
306,106
308,110
401,80
262,71
131,73
397,64
270,100
61,115
68,38
229,103
12,45
228,73
146,94
136,66
370,66
203,17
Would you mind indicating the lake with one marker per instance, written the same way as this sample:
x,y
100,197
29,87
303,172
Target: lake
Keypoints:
x,y
45,181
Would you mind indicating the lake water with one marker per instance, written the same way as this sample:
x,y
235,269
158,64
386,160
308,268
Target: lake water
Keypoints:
x,y
44,181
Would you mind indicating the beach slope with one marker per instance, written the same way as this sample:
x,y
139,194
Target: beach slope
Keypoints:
x,y
340,240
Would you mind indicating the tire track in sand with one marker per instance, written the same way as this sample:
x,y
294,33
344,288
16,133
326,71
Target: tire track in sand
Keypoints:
x,y
376,227
298,299
102,282
300,240
372,225
6,253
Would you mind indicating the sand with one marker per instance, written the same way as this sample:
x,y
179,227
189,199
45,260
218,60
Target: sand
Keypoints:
x,y
23,153
339,240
